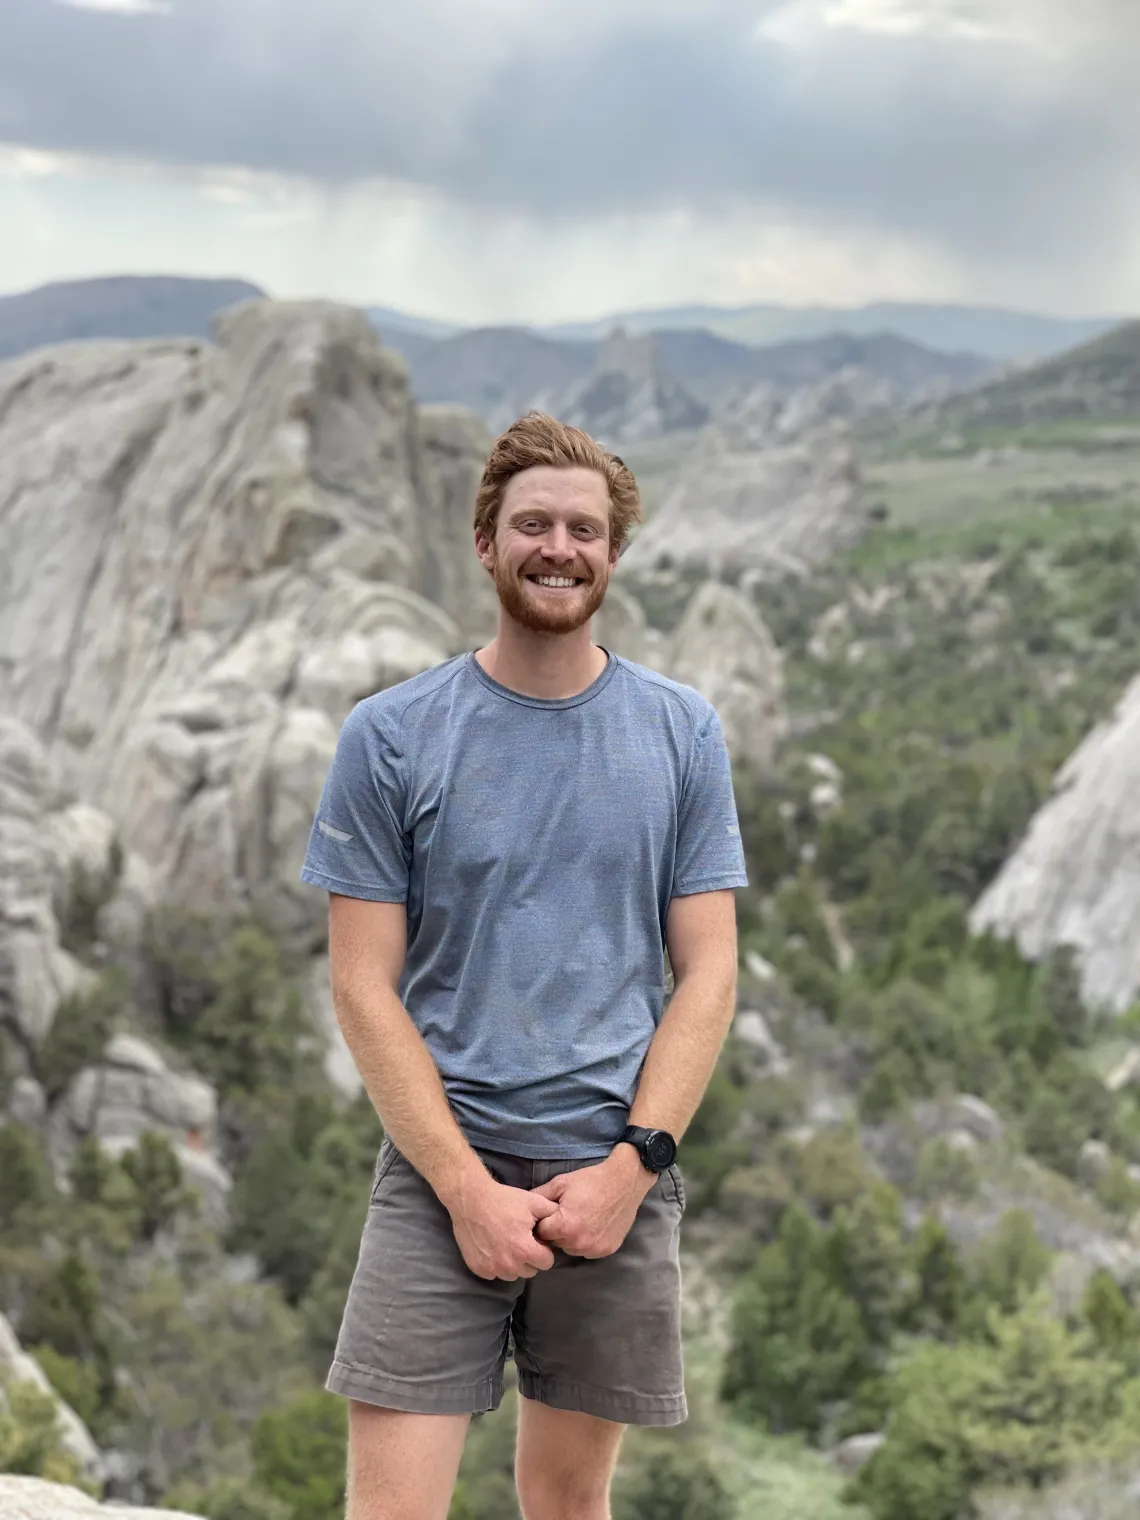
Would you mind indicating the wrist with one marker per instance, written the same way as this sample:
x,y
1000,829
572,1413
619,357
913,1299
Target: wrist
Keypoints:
x,y
625,1161
458,1178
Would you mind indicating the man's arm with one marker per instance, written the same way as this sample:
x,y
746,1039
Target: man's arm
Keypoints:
x,y
598,1204
494,1225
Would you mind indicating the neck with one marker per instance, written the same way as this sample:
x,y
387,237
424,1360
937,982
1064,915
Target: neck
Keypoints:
x,y
546,665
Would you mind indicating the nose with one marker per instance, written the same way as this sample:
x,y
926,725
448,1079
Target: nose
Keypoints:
x,y
557,543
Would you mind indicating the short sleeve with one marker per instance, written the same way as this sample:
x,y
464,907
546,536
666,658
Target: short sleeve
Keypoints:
x,y
710,856
358,847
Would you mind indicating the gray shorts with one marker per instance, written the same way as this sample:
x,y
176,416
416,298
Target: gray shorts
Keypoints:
x,y
421,1332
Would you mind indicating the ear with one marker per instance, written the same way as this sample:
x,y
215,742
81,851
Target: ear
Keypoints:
x,y
485,550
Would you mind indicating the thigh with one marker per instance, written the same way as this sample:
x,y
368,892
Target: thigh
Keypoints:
x,y
604,1337
421,1333
402,1466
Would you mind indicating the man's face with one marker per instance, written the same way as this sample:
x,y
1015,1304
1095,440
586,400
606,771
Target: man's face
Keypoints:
x,y
551,555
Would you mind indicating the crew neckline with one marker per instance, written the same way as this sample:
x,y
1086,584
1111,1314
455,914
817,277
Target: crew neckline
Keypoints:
x,y
595,687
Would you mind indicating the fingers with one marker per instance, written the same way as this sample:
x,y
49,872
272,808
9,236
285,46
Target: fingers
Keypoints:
x,y
552,1189
542,1206
540,1256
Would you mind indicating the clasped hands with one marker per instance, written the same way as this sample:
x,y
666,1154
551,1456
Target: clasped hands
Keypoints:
x,y
507,1232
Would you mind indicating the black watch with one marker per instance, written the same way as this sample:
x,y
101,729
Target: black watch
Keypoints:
x,y
656,1147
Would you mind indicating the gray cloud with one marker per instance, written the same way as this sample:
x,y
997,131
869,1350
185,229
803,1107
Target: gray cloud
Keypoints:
x,y
1014,147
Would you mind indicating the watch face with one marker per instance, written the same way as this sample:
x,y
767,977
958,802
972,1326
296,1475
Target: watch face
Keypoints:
x,y
660,1149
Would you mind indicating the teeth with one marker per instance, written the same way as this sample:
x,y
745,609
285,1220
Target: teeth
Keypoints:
x,y
554,580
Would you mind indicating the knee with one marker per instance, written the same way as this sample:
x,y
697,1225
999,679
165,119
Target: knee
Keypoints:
x,y
563,1495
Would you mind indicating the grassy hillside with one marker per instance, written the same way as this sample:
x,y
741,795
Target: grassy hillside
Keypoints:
x,y
1074,399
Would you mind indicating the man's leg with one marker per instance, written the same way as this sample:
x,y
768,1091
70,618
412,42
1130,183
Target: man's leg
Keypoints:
x,y
564,1462
401,1466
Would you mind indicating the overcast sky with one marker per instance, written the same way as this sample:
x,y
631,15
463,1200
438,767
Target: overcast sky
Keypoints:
x,y
488,160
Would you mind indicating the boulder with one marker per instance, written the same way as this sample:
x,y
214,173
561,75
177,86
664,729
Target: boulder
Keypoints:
x,y
76,1439
1126,1072
1074,880
962,1113
1094,1161
723,648
751,1028
36,1499
855,1452
133,1091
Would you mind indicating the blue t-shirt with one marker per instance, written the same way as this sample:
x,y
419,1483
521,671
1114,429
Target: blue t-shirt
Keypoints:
x,y
537,845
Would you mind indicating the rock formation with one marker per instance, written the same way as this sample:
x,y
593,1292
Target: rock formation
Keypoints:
x,y
131,1091
1075,878
630,394
723,648
210,554
745,502
36,972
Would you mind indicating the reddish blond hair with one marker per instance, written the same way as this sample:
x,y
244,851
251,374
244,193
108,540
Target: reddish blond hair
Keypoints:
x,y
537,439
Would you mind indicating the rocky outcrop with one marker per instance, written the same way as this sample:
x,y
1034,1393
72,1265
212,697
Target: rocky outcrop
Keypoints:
x,y
630,394
36,1499
36,972
743,502
211,552
1075,878
724,649
74,1437
133,1091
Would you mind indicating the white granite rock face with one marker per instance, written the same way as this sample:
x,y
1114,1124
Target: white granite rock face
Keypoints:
x,y
210,553
773,508
35,1499
723,648
36,973
1075,878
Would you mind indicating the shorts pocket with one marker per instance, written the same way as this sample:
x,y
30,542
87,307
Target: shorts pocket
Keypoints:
x,y
678,1186
384,1160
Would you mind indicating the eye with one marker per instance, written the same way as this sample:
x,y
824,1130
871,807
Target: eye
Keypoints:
x,y
586,530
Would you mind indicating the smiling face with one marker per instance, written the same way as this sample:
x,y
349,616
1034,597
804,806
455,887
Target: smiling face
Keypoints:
x,y
550,554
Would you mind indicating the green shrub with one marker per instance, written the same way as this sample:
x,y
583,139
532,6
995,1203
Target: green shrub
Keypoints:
x,y
671,1481
1018,1409
299,1455
26,1183
30,1436
79,1032
945,1171
797,1340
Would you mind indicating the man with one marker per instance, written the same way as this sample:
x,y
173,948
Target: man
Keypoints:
x,y
510,841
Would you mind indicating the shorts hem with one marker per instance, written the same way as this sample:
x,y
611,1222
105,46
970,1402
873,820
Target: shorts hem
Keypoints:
x,y
622,1408
413,1398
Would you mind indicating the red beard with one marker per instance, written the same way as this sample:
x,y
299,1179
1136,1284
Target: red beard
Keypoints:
x,y
528,607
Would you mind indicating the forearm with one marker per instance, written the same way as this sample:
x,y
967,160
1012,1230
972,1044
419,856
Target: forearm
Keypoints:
x,y
404,1085
684,1050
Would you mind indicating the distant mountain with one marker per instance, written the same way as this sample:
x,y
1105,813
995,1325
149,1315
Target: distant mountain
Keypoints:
x,y
124,306
500,372
996,333
1097,380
